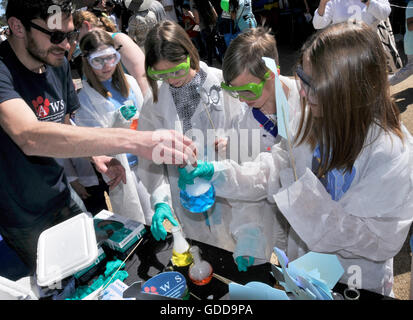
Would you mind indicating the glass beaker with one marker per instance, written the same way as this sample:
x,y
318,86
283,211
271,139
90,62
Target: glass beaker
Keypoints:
x,y
181,257
200,271
198,197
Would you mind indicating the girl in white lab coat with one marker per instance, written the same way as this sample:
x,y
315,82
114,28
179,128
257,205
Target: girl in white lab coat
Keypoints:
x,y
187,97
111,98
350,190
258,226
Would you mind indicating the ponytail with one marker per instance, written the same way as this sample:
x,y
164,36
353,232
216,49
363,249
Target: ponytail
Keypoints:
x,y
101,22
107,24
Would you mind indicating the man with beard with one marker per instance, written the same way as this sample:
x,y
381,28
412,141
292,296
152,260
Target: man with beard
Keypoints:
x,y
36,99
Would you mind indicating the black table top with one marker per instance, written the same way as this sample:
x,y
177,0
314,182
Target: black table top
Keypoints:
x,y
153,257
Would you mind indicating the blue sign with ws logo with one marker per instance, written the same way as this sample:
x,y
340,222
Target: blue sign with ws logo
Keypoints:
x,y
169,284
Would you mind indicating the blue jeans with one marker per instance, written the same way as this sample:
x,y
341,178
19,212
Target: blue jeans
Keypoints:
x,y
24,240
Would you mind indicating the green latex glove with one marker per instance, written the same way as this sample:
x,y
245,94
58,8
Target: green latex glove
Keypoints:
x,y
225,5
128,111
111,274
184,178
204,170
162,212
244,262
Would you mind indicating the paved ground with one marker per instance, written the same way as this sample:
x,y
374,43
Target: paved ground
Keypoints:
x,y
403,94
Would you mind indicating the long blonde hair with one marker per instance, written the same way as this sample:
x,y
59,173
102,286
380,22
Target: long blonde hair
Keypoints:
x,y
104,23
350,84
89,43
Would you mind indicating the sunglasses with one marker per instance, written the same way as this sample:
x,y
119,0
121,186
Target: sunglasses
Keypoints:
x,y
179,71
250,91
57,37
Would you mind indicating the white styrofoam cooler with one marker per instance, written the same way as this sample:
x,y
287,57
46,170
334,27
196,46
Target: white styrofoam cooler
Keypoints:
x,y
66,248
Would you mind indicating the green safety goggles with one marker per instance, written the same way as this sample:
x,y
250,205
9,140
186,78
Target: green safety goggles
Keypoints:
x,y
250,91
179,71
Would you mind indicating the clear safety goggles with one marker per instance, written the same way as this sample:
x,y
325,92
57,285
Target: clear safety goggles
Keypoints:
x,y
179,71
109,56
250,91
305,81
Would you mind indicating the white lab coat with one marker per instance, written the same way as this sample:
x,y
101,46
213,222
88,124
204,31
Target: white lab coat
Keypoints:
x,y
82,170
366,228
97,111
67,165
337,11
161,181
258,225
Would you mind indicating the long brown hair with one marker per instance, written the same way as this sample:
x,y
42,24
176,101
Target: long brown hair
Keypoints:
x,y
168,41
349,78
88,44
246,52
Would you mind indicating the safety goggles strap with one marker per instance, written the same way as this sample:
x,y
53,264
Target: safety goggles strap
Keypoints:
x,y
102,53
304,78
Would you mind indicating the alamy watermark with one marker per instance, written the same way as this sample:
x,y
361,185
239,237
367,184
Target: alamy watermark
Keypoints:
x,y
354,280
241,145
55,17
355,12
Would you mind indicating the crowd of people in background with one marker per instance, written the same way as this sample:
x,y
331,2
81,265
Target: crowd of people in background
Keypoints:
x,y
211,28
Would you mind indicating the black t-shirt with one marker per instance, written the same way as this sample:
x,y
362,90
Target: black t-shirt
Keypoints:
x,y
32,186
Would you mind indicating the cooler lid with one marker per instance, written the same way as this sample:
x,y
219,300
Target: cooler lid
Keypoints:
x,y
66,248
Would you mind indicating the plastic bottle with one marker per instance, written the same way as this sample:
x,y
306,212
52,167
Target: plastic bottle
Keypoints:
x,y
197,197
200,271
181,257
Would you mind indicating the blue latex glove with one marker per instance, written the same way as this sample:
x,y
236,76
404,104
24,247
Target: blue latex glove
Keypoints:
x,y
162,212
244,262
204,170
